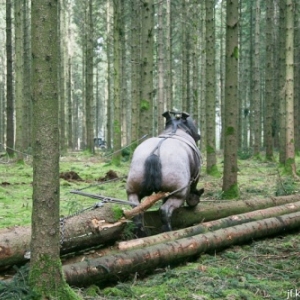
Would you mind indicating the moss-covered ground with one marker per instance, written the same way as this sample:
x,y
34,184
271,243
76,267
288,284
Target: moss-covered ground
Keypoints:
x,y
263,269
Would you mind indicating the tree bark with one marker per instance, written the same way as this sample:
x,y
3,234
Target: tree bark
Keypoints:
x,y
209,226
90,228
102,226
230,184
211,164
9,83
115,267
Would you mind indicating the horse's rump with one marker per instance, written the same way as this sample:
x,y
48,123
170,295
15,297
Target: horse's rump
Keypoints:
x,y
165,168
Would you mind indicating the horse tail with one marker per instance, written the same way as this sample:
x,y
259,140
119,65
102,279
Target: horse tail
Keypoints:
x,y
152,175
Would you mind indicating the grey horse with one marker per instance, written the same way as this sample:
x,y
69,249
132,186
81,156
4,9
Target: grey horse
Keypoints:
x,y
170,163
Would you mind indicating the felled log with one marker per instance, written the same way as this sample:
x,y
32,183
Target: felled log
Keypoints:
x,y
185,216
209,226
102,225
187,232
90,228
118,266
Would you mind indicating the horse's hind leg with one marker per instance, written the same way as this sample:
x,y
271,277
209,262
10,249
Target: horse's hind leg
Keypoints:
x,y
166,211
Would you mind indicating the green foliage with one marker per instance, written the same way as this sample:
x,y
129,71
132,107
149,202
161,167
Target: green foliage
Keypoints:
x,y
18,288
285,187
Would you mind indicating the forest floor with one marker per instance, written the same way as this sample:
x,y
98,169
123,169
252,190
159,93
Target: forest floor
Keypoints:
x,y
262,269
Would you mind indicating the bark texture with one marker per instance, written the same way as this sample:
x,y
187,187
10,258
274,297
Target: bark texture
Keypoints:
x,y
115,267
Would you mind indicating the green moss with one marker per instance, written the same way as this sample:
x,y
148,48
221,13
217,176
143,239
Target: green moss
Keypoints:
x,y
231,193
93,291
50,287
213,171
118,212
289,165
210,149
117,126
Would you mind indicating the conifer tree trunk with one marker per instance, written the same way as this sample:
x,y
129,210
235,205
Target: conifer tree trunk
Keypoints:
x,y
109,32
89,77
297,77
46,276
18,21
230,188
146,97
62,75
255,105
27,104
269,80
282,81
168,65
117,82
289,88
9,83
184,65
135,70
210,89
161,50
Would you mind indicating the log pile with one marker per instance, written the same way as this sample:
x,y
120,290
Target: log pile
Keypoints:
x,y
205,228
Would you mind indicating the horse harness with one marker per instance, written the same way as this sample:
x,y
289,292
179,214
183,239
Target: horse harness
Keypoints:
x,y
193,146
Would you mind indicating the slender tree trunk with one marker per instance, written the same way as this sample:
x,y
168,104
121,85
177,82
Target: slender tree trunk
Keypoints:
x,y
297,77
269,95
168,66
18,18
230,185
282,81
255,108
117,82
27,103
10,136
289,88
161,67
195,62
109,117
146,97
210,98
62,75
184,82
90,106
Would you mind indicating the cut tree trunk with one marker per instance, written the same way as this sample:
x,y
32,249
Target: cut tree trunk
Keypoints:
x,y
209,226
187,232
90,228
118,266
101,226
185,216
